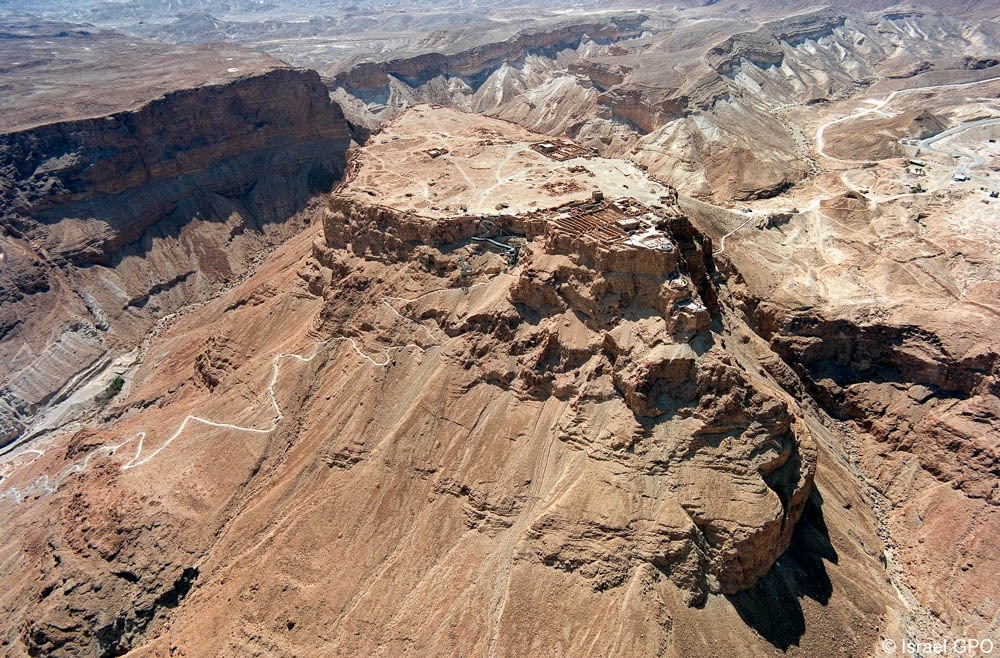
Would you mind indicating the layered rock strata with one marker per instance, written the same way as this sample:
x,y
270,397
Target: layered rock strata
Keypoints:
x,y
475,64
112,221
620,339
548,427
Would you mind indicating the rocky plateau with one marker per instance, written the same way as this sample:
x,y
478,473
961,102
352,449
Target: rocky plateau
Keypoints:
x,y
497,330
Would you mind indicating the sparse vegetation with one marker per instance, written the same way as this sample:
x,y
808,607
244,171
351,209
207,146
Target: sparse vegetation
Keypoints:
x,y
112,389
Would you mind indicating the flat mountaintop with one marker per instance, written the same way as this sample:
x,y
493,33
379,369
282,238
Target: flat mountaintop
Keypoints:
x,y
55,72
436,161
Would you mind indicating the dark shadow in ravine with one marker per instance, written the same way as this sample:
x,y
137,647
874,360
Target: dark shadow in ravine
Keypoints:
x,y
773,608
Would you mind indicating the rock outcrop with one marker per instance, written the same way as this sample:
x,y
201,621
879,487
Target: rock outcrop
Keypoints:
x,y
474,65
893,340
621,338
764,47
496,395
125,172
903,385
109,222
548,426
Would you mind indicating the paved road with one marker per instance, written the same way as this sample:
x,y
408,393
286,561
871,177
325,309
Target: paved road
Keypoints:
x,y
977,160
878,106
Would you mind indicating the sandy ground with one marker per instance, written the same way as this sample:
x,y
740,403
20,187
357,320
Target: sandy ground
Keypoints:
x,y
92,72
489,168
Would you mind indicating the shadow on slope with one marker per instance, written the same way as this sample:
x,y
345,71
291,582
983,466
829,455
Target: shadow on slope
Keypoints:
x,y
773,607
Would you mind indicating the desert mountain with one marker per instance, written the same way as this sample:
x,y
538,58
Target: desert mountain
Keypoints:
x,y
495,330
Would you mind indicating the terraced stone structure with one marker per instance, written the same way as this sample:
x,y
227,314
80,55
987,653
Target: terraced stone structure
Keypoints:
x,y
688,464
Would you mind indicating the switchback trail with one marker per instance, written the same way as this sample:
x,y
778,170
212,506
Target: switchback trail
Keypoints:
x,y
46,485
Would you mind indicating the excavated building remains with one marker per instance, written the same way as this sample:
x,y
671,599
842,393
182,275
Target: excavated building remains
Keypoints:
x,y
589,426
610,315
495,395
561,149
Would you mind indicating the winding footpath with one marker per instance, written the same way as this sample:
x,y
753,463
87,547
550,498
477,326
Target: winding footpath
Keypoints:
x,y
878,107
722,242
46,485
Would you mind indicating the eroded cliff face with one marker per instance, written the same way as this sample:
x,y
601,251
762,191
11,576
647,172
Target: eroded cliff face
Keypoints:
x,y
764,47
443,433
110,223
474,65
902,384
922,409
910,378
702,470
217,139
703,105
